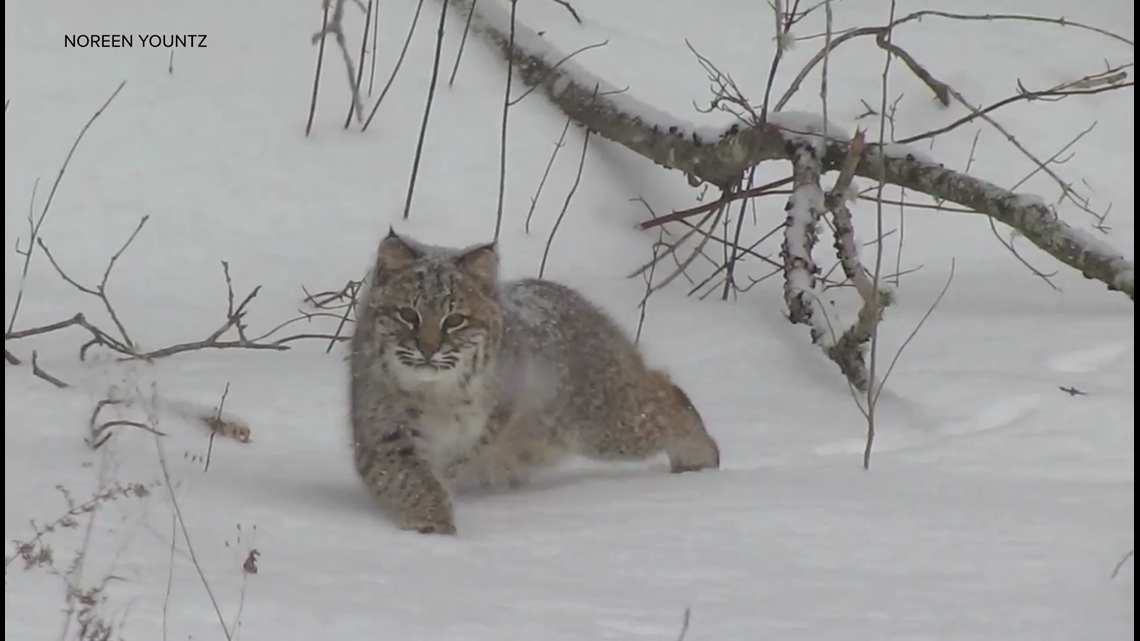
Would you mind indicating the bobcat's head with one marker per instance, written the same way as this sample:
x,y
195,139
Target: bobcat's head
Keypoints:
x,y
435,310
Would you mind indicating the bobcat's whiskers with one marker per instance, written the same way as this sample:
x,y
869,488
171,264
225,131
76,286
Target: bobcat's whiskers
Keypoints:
x,y
442,371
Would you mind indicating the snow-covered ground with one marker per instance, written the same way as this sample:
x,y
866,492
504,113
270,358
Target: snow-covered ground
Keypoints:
x,y
996,507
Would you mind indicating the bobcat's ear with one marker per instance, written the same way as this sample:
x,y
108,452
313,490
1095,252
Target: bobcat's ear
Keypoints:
x,y
481,262
395,254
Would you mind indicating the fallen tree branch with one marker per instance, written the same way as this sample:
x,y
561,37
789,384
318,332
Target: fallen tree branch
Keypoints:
x,y
805,210
848,350
721,156
38,372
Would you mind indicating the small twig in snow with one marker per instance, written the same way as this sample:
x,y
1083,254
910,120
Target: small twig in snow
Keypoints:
x,y
37,371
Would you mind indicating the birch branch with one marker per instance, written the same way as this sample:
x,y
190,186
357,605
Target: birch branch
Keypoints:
x,y
721,156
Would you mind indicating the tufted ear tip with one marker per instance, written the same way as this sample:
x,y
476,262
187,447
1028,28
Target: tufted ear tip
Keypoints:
x,y
481,262
395,254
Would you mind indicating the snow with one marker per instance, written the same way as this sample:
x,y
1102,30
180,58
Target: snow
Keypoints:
x,y
996,506
570,70
809,127
896,150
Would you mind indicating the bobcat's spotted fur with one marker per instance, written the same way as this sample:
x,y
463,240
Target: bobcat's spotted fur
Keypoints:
x,y
460,379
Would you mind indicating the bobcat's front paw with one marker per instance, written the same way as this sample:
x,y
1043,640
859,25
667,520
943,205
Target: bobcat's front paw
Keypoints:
x,y
439,520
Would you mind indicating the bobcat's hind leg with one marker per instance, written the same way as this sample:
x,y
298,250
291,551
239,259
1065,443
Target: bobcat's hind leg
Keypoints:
x,y
689,445
663,420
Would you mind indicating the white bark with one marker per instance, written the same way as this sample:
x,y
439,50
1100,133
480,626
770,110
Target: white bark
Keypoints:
x,y
721,157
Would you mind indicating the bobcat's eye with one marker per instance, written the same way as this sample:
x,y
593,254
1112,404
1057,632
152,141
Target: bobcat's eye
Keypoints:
x,y
409,316
453,321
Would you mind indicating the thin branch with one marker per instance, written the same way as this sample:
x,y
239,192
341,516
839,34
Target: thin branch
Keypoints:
x,y
395,69
100,291
355,107
565,204
217,421
317,73
1120,565
35,227
503,132
335,26
546,173
372,58
427,110
1021,96
873,356
40,373
161,452
554,67
462,43
771,188
569,8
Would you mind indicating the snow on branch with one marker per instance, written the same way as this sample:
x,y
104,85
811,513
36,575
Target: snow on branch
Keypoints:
x,y
801,230
720,156
807,303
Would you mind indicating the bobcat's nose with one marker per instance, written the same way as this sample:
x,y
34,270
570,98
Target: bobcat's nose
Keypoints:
x,y
428,341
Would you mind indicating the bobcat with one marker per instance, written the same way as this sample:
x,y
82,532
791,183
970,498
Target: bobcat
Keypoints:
x,y
460,379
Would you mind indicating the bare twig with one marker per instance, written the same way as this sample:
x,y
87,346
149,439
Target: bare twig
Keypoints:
x,y
871,394
553,67
35,226
396,68
161,453
100,290
693,229
1120,565
565,204
372,58
569,8
941,91
99,433
503,132
1077,88
354,107
462,42
546,173
427,110
644,304
317,73
767,189
40,373
213,430
683,266
684,625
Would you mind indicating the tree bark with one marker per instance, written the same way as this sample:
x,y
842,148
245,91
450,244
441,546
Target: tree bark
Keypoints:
x,y
721,156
